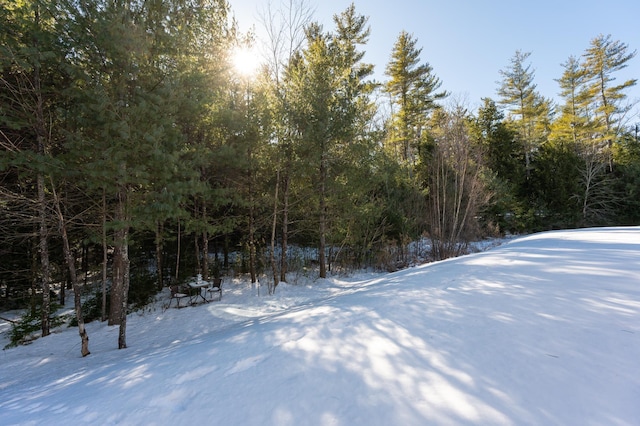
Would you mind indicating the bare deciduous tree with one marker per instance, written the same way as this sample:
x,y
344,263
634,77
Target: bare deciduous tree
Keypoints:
x,y
71,265
597,200
284,26
285,36
457,189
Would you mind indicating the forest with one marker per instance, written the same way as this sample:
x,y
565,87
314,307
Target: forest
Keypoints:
x,y
135,155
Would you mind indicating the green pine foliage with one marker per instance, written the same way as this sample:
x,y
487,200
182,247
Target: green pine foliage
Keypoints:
x,y
413,89
27,327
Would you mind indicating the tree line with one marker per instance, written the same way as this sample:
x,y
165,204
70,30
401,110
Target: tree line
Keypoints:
x,y
134,155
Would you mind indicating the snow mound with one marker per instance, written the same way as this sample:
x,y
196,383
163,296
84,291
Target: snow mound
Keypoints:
x,y
542,330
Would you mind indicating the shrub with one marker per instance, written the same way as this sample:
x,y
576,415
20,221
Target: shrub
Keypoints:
x,y
27,328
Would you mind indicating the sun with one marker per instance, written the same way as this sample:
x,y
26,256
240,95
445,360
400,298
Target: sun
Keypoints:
x,y
245,61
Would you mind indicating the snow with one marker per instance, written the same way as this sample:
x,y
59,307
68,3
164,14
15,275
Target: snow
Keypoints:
x,y
544,329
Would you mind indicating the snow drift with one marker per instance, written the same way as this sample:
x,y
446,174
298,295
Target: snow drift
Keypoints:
x,y
542,330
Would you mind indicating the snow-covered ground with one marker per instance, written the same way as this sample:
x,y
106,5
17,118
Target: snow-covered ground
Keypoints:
x,y
542,330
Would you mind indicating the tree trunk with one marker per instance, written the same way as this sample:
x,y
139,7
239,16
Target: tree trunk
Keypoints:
x,y
196,241
323,218
41,137
85,261
252,248
117,281
178,252
105,256
43,248
120,285
226,252
84,336
122,335
274,224
285,227
62,297
159,263
35,282
252,226
205,245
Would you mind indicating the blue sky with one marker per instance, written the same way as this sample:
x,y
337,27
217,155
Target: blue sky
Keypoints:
x,y
468,42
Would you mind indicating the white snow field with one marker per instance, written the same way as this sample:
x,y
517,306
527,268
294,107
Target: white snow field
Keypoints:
x,y
543,330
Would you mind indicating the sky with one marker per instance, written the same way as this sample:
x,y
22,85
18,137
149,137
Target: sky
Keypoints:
x,y
541,330
468,42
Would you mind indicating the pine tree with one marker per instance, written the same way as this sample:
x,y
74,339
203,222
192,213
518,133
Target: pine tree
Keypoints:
x,y
329,98
29,85
529,112
125,125
502,154
502,148
412,87
573,123
285,32
601,60
37,86
591,121
557,176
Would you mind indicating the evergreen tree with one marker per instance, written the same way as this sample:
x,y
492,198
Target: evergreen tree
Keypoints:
x,y
573,124
555,186
34,87
590,121
30,82
601,60
329,96
203,101
627,184
285,30
503,156
528,111
412,87
126,126
557,177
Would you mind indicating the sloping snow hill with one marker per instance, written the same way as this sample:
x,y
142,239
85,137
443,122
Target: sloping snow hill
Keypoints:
x,y
542,330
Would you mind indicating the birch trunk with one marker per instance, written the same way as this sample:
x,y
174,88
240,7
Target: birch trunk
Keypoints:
x,y
84,336
274,223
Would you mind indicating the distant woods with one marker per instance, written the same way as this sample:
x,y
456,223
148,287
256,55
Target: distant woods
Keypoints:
x,y
134,155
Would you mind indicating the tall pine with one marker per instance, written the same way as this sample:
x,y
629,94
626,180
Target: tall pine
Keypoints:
x,y
329,98
412,87
528,111
602,60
